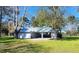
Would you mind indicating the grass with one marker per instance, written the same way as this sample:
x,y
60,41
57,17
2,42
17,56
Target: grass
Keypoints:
x,y
12,45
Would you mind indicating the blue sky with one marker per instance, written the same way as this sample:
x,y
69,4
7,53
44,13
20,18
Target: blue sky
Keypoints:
x,y
32,11
72,11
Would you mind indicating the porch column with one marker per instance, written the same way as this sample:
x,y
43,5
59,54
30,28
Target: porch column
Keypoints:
x,y
42,35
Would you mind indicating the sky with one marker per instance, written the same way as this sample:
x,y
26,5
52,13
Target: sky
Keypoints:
x,y
72,10
32,11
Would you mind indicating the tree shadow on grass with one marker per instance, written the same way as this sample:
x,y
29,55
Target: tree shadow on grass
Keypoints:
x,y
7,41
6,38
30,48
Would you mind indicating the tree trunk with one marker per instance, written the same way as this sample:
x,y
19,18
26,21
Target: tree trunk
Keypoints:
x,y
0,26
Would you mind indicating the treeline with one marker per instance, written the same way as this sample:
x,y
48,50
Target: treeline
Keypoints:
x,y
51,16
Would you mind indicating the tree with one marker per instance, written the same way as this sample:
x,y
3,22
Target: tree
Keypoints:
x,y
71,19
72,24
57,18
11,27
23,21
41,19
5,11
50,16
78,29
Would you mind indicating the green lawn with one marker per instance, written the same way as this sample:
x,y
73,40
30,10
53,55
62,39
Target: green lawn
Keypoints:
x,y
12,45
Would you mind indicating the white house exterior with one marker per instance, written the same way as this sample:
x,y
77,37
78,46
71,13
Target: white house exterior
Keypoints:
x,y
27,32
24,35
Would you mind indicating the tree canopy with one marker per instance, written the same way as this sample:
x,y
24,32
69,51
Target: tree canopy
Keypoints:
x,y
5,11
50,16
41,19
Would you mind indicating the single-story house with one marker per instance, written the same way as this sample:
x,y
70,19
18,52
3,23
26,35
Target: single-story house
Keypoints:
x,y
36,32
